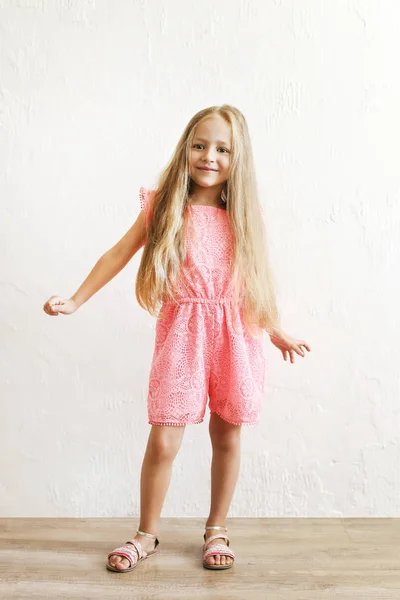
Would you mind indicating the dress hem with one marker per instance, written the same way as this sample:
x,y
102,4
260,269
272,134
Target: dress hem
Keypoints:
x,y
248,423
169,424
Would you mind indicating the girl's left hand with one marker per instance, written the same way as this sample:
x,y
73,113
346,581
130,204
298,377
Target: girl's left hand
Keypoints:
x,y
288,345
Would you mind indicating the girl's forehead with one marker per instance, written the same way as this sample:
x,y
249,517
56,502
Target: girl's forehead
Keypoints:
x,y
214,128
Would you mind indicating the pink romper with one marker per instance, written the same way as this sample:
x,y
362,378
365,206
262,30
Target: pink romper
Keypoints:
x,y
197,353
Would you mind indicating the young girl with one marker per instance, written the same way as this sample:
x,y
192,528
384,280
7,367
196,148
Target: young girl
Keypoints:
x,y
204,273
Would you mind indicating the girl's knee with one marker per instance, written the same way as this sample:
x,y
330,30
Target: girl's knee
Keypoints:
x,y
226,443
224,436
164,442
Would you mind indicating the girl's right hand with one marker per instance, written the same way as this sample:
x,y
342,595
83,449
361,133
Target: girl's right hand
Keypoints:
x,y
56,305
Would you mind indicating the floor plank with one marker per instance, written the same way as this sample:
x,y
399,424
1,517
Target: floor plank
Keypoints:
x,y
277,559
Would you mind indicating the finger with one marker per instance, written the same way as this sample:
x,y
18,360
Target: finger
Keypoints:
x,y
57,302
284,354
291,352
305,346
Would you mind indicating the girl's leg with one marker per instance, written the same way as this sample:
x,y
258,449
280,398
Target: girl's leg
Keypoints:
x,y
225,440
162,447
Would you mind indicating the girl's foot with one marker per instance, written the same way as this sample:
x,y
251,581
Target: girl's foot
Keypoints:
x,y
221,559
121,563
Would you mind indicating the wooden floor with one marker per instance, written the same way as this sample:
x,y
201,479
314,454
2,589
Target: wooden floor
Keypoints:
x,y
277,559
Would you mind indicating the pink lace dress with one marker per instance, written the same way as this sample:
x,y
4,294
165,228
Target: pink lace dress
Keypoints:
x,y
197,353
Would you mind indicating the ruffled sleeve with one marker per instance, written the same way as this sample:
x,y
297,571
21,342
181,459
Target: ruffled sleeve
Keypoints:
x,y
146,198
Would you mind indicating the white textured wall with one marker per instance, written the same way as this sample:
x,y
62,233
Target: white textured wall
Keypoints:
x,y
94,95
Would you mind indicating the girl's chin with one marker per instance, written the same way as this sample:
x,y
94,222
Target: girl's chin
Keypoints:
x,y
205,184
208,179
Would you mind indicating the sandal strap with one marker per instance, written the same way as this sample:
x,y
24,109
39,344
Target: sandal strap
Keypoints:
x,y
216,537
217,527
131,550
149,535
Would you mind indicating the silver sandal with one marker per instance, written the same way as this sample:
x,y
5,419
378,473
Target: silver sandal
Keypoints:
x,y
217,549
132,551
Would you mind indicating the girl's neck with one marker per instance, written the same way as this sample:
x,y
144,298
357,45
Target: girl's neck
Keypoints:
x,y
207,196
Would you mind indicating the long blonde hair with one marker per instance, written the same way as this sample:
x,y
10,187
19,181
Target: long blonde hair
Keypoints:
x,y
164,249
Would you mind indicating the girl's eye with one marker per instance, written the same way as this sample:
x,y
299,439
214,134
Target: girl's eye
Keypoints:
x,y
224,149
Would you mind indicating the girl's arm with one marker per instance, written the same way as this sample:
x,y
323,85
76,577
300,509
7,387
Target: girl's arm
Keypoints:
x,y
107,267
113,261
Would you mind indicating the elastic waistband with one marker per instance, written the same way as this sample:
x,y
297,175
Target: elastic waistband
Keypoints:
x,y
197,300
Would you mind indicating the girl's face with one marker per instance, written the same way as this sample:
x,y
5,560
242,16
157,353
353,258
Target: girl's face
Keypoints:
x,y
209,156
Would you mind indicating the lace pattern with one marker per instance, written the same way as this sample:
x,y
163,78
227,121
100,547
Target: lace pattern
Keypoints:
x,y
198,353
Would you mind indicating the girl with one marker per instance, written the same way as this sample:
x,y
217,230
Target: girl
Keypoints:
x,y
204,273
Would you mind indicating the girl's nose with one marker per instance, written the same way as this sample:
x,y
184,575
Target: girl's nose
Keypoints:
x,y
209,155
